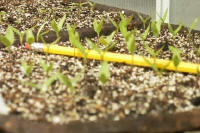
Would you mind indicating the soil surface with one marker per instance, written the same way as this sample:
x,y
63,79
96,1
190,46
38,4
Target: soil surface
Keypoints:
x,y
130,92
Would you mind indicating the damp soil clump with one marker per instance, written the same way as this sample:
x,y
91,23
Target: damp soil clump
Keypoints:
x,y
131,91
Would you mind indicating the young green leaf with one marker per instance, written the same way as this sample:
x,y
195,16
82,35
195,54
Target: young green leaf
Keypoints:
x,y
174,32
144,21
164,17
55,27
146,33
74,39
1,13
10,35
156,28
46,67
192,26
8,39
92,45
98,26
104,73
30,37
176,55
20,34
131,45
108,39
150,50
27,68
39,31
47,83
61,22
66,81
114,23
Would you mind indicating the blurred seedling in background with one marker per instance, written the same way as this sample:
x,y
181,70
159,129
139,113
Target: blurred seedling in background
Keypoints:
x,y
74,39
1,14
131,44
80,6
39,34
163,19
176,57
27,67
69,82
108,41
144,20
159,71
46,67
21,33
156,28
114,24
104,73
190,38
98,26
30,38
8,39
45,85
174,32
92,5
123,26
57,27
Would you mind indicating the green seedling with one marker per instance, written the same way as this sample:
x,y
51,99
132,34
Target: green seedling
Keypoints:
x,y
45,85
93,46
92,5
131,46
174,32
48,82
69,82
1,14
155,68
123,26
74,39
107,42
104,73
47,67
58,26
114,23
146,32
79,5
144,20
151,51
163,19
21,34
98,26
39,34
8,39
30,37
156,28
192,26
66,81
27,68
176,58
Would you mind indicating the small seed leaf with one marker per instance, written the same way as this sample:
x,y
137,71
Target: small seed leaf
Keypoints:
x,y
92,45
10,35
104,72
193,24
61,22
131,44
30,37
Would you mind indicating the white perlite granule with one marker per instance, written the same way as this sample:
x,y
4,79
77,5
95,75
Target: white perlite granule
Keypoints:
x,y
4,109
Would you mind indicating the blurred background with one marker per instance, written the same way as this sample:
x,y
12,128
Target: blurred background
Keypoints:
x,y
184,11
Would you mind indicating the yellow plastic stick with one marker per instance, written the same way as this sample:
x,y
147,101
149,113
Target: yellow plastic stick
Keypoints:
x,y
123,58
